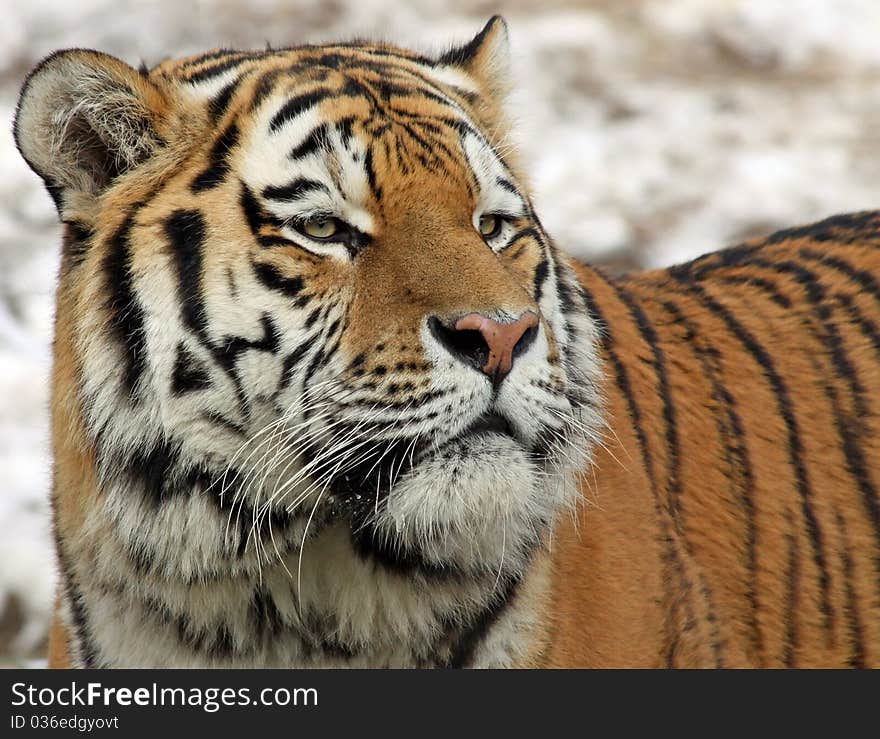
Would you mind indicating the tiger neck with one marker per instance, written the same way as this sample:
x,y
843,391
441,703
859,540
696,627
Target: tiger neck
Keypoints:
x,y
324,604
381,621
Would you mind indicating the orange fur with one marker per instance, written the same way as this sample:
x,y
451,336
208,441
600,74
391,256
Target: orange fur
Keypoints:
x,y
59,653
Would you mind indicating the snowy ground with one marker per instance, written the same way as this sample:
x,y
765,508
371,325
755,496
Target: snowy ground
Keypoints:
x,y
654,130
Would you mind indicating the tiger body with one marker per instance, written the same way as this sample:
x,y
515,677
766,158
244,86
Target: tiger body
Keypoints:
x,y
326,394
740,488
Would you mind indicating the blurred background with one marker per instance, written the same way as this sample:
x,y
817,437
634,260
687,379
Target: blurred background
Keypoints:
x,y
653,131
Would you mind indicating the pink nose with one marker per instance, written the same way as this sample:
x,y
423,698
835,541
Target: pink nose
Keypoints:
x,y
503,341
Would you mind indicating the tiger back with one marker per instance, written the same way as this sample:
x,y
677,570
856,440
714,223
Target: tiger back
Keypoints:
x,y
740,391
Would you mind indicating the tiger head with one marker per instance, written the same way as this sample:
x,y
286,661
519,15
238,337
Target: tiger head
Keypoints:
x,y
307,288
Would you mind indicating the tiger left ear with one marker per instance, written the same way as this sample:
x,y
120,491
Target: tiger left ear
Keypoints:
x,y
485,58
84,118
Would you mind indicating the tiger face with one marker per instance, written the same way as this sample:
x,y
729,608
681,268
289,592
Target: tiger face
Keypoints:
x,y
307,292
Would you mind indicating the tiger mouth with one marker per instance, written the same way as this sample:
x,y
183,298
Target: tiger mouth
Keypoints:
x,y
398,458
493,423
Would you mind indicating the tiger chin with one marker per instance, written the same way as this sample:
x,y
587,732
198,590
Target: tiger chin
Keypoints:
x,y
325,393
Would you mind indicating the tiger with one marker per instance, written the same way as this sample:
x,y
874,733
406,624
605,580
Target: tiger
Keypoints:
x,y
326,394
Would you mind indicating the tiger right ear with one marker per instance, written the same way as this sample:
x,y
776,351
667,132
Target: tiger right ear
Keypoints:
x,y
485,58
83,119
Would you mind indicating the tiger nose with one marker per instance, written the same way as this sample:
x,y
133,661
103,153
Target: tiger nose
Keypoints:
x,y
487,344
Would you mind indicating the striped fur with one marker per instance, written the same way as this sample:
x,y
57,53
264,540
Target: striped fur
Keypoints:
x,y
265,456
741,391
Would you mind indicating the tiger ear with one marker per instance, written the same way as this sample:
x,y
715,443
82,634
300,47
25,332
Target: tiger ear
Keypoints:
x,y
485,58
83,119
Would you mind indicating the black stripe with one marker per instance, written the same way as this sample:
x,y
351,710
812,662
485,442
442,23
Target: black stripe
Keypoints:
x,y
388,89
466,647
253,213
190,373
786,412
750,280
461,125
152,469
257,217
856,630
291,362
296,105
673,465
293,190
566,297
849,427
865,280
623,383
220,67
353,88
792,590
372,546
267,241
219,104
540,277
75,244
394,54
264,88
861,278
507,185
78,230
218,161
567,294
830,337
867,327
324,354
220,420
430,147
734,256
845,228
670,556
315,140
141,558
213,640
126,313
208,56
335,60
272,278
312,317
185,230
521,235
265,618
649,336
732,434
318,361
229,348
345,127
55,191
162,477
371,174
88,650
529,232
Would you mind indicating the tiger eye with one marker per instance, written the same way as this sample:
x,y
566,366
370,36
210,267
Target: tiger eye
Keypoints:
x,y
490,225
320,228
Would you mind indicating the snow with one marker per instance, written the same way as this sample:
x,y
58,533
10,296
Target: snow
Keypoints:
x,y
652,131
